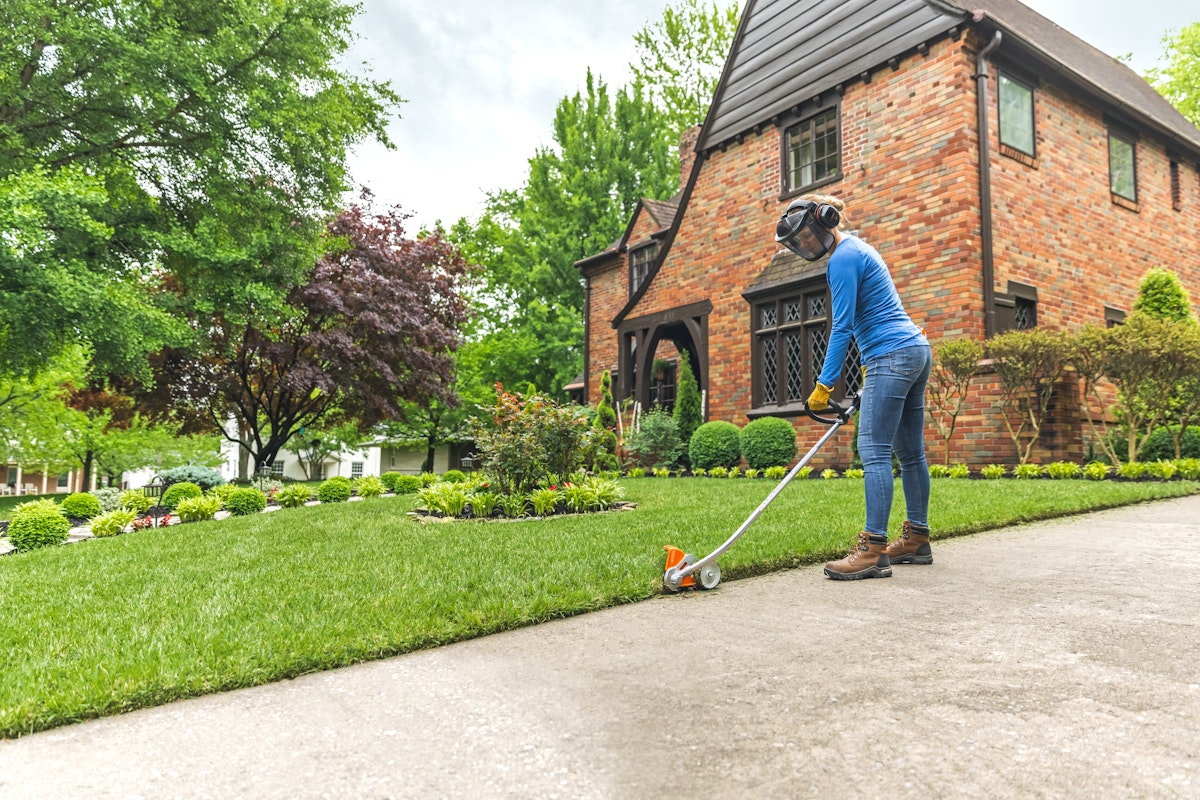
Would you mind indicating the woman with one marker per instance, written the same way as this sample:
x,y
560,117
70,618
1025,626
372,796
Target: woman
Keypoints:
x,y
896,361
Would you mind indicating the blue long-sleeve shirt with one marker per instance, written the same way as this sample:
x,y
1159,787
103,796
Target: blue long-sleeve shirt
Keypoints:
x,y
866,306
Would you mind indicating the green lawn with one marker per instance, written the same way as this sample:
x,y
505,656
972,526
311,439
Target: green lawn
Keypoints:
x,y
110,625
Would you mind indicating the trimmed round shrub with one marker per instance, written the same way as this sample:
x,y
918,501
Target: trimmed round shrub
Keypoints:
x,y
178,491
246,501
81,505
334,490
39,523
768,442
204,477
112,523
389,480
406,484
715,444
454,476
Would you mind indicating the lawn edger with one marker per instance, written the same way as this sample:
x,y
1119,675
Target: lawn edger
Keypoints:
x,y
683,571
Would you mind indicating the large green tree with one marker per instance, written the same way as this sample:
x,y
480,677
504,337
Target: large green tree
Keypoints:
x,y
172,136
1179,79
607,154
680,58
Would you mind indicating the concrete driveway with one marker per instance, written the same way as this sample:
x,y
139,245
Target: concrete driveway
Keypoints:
x,y
1059,659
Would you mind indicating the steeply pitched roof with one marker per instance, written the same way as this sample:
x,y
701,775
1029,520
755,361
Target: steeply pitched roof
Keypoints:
x,y
1087,68
786,54
662,211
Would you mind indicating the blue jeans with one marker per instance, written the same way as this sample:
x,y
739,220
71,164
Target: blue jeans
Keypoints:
x,y
892,416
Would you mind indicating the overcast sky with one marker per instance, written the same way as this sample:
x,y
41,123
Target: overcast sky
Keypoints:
x,y
481,79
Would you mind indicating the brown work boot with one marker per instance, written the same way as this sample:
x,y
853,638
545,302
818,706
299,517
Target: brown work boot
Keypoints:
x,y
867,560
912,547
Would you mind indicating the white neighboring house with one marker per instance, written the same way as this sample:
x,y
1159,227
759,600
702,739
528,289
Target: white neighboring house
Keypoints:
x,y
369,458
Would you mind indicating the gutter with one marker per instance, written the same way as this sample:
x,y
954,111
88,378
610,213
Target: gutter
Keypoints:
x,y
985,188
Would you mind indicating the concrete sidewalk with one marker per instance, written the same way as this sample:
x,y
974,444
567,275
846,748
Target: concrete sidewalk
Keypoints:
x,y
1060,659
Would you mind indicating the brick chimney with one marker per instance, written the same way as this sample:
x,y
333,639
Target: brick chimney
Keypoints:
x,y
687,153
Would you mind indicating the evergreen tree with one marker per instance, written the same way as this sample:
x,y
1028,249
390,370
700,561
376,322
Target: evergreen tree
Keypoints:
x,y
687,401
1162,296
606,415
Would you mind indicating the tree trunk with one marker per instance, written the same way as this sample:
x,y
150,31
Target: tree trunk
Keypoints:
x,y
243,451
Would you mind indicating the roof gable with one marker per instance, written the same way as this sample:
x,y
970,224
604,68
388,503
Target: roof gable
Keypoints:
x,y
786,54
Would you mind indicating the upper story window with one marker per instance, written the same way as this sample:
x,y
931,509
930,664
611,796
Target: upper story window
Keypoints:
x,y
1016,115
812,151
1122,165
791,336
639,265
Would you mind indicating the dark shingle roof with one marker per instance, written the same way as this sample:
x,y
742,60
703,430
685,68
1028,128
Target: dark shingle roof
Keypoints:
x,y
662,211
786,53
1085,66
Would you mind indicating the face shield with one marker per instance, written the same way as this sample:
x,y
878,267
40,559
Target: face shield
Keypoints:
x,y
799,231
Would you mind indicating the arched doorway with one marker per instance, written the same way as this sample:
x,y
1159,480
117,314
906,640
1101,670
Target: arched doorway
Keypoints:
x,y
652,345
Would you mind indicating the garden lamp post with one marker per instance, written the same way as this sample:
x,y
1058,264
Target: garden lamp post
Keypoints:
x,y
154,490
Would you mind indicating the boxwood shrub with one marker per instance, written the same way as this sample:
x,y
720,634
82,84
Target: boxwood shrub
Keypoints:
x,y
454,476
178,491
406,484
715,444
81,505
334,490
39,523
389,480
246,501
768,442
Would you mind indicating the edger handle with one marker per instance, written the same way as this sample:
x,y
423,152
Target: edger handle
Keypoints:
x,y
841,413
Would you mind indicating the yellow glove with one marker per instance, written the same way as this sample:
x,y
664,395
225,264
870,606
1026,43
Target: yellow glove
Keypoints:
x,y
819,399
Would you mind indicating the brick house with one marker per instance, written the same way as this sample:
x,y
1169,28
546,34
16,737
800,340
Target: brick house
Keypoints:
x,y
1086,179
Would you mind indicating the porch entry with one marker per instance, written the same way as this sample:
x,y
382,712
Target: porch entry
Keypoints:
x,y
650,350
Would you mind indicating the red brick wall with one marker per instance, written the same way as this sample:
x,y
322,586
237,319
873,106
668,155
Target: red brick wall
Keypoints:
x,y
912,190
609,293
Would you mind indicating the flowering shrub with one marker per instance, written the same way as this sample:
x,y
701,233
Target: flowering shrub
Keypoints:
x,y
527,438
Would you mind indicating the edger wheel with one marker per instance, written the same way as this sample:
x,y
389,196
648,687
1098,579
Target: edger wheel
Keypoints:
x,y
709,576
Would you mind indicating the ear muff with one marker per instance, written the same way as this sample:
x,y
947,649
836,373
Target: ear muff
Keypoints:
x,y
828,216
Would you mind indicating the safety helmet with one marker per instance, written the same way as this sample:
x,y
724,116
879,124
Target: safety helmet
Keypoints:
x,y
806,228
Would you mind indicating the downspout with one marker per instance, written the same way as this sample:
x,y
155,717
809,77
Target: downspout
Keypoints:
x,y
587,334
985,188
